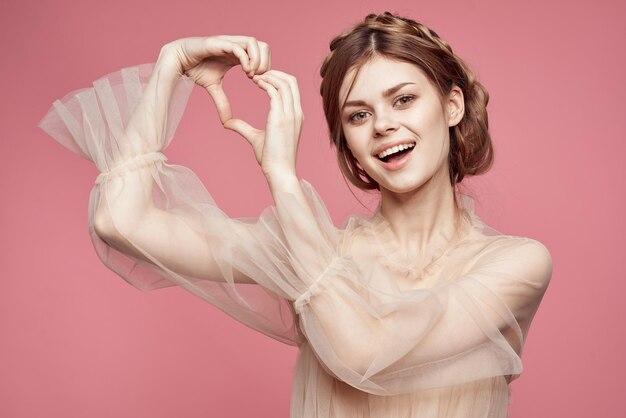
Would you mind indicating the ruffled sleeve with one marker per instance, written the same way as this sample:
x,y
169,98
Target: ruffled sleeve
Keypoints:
x,y
304,282
366,329
122,124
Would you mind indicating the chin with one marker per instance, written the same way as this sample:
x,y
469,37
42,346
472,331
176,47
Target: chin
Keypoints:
x,y
414,180
401,187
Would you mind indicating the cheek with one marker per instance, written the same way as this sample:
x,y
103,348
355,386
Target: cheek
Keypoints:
x,y
433,132
354,143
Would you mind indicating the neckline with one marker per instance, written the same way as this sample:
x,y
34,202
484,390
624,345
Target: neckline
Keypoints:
x,y
416,266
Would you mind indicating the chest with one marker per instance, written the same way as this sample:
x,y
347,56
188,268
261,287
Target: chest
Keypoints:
x,y
391,270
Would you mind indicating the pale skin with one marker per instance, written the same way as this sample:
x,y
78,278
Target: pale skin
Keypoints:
x,y
421,188
206,61
418,199
414,112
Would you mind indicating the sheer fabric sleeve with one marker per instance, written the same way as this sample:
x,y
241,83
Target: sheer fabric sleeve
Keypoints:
x,y
385,340
122,124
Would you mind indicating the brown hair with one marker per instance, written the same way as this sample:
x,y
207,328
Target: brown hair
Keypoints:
x,y
404,39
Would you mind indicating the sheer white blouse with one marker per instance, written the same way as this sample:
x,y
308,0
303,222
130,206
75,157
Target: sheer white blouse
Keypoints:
x,y
380,333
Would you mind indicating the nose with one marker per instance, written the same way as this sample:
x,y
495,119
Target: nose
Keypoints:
x,y
384,123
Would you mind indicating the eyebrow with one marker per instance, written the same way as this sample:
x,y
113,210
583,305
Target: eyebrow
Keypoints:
x,y
386,93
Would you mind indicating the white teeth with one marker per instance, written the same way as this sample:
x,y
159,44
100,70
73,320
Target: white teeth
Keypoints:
x,y
395,149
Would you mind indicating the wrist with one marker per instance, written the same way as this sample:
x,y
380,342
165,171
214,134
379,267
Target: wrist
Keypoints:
x,y
168,62
286,180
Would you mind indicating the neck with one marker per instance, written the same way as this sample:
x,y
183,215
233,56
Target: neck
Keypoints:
x,y
420,216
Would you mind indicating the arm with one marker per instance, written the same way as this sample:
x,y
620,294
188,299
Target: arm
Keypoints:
x,y
385,340
367,331
155,224
126,211
485,314
172,241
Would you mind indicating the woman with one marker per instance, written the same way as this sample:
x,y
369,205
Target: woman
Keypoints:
x,y
418,310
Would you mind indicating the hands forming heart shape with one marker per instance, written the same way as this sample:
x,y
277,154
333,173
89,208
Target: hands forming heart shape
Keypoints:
x,y
206,60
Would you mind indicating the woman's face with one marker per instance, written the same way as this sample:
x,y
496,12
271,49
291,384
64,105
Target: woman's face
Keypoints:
x,y
396,124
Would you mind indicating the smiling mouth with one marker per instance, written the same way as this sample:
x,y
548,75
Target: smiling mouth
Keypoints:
x,y
395,153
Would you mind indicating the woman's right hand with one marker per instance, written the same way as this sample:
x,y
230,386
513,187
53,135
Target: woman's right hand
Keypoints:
x,y
207,59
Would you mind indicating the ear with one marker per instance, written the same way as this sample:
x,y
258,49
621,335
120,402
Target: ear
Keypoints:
x,y
455,106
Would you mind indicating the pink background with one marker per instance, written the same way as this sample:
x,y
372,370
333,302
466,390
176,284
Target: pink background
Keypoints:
x,y
77,341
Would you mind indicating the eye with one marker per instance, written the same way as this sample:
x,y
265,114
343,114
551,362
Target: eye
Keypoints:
x,y
405,99
357,117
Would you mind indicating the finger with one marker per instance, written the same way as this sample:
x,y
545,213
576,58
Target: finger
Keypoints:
x,y
294,94
276,104
265,55
222,104
295,91
277,80
243,128
254,54
238,51
251,46
297,103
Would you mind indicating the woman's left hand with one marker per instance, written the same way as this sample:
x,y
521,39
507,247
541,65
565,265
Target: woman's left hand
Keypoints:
x,y
276,147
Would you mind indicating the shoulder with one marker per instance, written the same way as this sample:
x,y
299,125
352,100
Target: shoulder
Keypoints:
x,y
533,258
521,257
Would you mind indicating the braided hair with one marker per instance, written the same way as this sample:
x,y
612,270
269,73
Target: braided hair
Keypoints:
x,y
404,39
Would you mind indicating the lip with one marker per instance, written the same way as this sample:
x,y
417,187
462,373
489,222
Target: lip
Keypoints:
x,y
397,164
383,147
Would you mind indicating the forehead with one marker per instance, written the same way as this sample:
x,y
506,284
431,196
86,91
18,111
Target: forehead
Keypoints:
x,y
377,75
